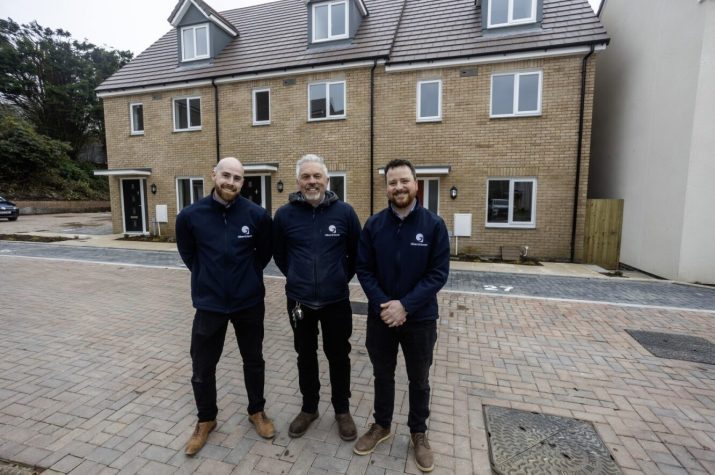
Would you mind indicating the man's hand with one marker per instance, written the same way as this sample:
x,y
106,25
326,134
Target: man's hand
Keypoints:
x,y
393,313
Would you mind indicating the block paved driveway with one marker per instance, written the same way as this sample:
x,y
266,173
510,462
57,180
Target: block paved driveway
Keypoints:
x,y
94,378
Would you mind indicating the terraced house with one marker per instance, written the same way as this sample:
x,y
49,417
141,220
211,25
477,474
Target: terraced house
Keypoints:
x,y
491,100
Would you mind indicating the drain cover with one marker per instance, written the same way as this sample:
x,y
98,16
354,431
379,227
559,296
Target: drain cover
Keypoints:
x,y
522,442
675,346
359,308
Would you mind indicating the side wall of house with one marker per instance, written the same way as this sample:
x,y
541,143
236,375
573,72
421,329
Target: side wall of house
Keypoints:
x,y
169,154
343,143
479,147
475,146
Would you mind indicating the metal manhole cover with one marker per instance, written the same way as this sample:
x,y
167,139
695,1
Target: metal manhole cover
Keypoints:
x,y
675,346
359,308
522,442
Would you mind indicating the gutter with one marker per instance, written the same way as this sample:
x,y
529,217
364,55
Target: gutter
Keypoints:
x,y
584,67
372,138
218,141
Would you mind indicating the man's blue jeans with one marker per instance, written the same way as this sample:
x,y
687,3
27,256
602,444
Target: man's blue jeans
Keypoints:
x,y
417,340
207,337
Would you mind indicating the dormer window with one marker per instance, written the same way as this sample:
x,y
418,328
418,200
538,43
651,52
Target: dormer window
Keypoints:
x,y
511,12
330,21
195,42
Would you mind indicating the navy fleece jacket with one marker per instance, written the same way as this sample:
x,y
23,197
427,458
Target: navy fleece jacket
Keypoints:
x,y
316,248
405,260
226,249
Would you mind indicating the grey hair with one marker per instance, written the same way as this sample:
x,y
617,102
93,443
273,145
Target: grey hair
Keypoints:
x,y
310,158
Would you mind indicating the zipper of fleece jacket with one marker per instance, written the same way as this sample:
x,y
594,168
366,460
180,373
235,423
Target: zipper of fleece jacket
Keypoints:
x,y
316,234
225,260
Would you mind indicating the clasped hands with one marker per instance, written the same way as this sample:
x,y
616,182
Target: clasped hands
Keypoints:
x,y
393,313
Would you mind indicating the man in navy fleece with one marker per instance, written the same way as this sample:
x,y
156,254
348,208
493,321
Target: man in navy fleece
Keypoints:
x,y
315,246
403,261
225,241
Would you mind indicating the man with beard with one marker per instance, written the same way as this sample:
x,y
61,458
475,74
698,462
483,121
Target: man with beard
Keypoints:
x,y
403,261
225,241
315,246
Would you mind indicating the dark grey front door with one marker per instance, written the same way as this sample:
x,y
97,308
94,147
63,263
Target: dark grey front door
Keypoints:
x,y
133,206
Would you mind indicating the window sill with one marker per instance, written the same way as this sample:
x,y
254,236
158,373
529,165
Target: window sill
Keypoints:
x,y
198,58
342,117
515,116
509,226
529,21
258,124
429,120
197,129
136,134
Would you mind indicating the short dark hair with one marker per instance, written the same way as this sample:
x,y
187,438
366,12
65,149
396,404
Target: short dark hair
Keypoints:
x,y
400,162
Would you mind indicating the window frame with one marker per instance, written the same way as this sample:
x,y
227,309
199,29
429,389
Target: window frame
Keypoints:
x,y
196,57
438,117
330,5
190,128
426,193
132,130
328,116
510,15
255,110
191,188
510,213
515,104
344,176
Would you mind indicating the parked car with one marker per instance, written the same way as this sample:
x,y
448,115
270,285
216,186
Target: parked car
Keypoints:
x,y
8,209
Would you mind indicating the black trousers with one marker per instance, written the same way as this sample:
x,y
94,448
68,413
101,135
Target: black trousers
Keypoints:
x,y
417,340
336,320
207,338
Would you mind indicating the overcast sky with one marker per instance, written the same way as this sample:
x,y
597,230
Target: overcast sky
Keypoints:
x,y
120,24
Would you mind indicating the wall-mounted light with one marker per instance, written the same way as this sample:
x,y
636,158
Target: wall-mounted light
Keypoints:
x,y
153,188
279,186
453,192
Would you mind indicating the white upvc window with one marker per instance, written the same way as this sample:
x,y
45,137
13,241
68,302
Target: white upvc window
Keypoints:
x,y
195,42
261,106
187,114
189,190
511,12
511,203
516,94
326,100
136,118
330,21
429,101
338,184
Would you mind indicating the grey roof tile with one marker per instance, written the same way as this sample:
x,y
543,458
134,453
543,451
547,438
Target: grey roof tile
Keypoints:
x,y
274,37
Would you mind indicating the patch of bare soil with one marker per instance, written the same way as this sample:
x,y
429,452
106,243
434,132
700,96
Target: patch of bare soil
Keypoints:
x,y
30,238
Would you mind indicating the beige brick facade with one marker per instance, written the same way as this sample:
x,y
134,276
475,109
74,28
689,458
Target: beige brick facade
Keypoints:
x,y
476,146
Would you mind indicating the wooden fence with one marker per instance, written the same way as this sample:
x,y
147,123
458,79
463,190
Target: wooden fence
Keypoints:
x,y
602,233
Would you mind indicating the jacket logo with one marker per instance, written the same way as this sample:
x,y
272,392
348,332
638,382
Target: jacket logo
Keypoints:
x,y
246,233
420,238
332,231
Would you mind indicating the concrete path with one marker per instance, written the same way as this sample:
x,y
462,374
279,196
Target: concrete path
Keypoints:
x,y
94,378
583,286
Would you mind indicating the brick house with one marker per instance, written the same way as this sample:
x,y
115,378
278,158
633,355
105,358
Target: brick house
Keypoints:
x,y
490,99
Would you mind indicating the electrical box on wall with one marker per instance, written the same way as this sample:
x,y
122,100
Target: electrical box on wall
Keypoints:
x,y
463,224
162,214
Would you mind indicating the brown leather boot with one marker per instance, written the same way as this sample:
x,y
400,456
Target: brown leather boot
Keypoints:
x,y
199,437
346,426
264,426
369,440
423,453
300,424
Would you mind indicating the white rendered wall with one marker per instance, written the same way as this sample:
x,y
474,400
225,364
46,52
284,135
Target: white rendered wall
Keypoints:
x,y
645,103
697,255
